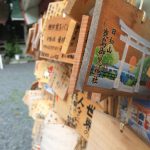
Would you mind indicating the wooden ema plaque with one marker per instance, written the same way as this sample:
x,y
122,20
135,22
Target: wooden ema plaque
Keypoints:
x,y
59,37
75,59
77,110
33,39
29,49
105,134
54,75
117,55
77,8
55,9
84,109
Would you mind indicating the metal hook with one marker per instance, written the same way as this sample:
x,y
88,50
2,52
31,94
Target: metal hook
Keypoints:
x,y
144,13
122,125
141,4
144,17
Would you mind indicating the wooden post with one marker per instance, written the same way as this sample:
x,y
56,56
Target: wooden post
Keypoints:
x,y
110,106
85,25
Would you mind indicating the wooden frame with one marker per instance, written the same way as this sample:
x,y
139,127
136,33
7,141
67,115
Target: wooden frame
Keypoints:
x,y
85,25
106,16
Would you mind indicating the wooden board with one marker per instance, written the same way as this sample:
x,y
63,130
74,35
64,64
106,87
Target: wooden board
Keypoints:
x,y
57,38
77,110
33,39
75,58
105,135
36,41
32,95
83,34
84,113
106,39
40,108
63,108
29,49
55,74
55,9
60,81
133,2
96,97
36,130
41,70
77,8
136,114
36,133
143,29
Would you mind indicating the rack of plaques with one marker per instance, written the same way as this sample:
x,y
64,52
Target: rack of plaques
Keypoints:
x,y
92,67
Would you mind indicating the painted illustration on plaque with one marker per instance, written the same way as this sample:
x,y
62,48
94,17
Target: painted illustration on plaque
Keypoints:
x,y
137,116
124,69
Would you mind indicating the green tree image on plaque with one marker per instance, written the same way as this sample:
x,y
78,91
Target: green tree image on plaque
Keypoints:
x,y
110,58
146,66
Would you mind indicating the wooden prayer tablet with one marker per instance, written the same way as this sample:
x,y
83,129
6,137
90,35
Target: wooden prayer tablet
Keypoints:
x,y
56,75
117,54
84,113
29,49
105,134
55,9
33,39
77,8
75,58
60,36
